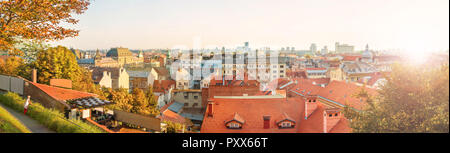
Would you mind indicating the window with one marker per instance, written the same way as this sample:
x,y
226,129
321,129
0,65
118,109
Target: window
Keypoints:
x,y
233,125
186,104
286,124
281,66
330,115
195,97
336,114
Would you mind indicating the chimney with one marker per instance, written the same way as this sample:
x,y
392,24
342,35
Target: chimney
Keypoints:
x,y
266,121
34,75
331,117
310,105
210,107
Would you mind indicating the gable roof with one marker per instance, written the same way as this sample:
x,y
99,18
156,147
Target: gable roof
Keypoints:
x,y
161,71
285,117
97,73
237,118
171,116
162,85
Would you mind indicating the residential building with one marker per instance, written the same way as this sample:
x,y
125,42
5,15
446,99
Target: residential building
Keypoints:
x,y
344,48
190,98
353,71
164,88
140,79
316,72
111,77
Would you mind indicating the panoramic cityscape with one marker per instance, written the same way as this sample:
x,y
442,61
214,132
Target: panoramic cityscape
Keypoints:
x,y
110,66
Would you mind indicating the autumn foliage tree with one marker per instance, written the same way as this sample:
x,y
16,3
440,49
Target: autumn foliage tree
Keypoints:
x,y
414,99
138,101
57,63
37,20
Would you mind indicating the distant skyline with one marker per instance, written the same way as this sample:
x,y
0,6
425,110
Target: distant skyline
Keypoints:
x,y
415,25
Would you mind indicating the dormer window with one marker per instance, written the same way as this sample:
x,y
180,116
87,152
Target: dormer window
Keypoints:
x,y
236,122
286,122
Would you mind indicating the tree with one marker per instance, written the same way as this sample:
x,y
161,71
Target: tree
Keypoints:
x,y
137,102
11,65
57,63
153,102
307,56
140,102
38,20
123,100
414,99
173,127
30,49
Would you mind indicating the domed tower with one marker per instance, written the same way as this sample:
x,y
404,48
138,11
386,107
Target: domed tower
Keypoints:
x,y
141,54
97,55
97,58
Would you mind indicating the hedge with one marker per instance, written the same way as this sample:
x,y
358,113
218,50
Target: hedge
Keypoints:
x,y
51,118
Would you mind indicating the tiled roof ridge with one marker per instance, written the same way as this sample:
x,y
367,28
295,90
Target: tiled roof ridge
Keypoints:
x,y
38,86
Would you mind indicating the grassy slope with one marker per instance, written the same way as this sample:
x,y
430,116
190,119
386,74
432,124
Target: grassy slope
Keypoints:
x,y
52,119
9,124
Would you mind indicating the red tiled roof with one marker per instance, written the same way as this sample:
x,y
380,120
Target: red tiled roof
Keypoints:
x,y
162,109
62,94
306,87
320,80
162,85
237,118
171,116
253,110
344,93
374,78
319,68
351,57
168,115
65,83
161,71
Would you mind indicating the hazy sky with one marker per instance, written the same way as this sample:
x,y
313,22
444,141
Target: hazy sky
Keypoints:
x,y
383,24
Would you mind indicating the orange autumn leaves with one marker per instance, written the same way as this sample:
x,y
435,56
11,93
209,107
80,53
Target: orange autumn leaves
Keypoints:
x,y
37,20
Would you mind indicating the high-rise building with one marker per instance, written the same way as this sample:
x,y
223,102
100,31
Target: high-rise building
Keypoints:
x,y
344,48
246,44
313,48
324,50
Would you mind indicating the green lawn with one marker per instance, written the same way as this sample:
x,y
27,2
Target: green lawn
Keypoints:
x,y
52,119
9,124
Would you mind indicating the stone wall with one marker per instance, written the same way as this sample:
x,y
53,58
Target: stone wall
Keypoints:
x,y
41,97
